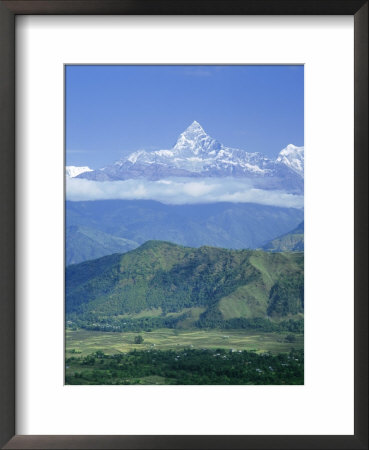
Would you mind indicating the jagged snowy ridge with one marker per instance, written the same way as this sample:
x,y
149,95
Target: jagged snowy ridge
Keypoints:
x,y
196,154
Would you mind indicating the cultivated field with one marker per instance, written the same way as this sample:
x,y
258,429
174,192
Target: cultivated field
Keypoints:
x,y
86,342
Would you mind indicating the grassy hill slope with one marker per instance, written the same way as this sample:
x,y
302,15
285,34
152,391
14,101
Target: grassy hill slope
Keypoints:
x,y
165,284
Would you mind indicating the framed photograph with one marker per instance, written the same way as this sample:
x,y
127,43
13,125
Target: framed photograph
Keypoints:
x,y
175,272
184,264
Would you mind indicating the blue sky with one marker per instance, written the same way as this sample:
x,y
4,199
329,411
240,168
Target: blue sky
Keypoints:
x,y
112,111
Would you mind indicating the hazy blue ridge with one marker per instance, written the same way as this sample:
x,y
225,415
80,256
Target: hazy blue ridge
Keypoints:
x,y
84,243
98,228
292,241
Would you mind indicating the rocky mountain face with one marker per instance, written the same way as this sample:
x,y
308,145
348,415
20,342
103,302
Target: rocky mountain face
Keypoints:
x,y
196,154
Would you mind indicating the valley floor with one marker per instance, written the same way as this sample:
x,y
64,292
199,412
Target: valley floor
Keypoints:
x,y
168,356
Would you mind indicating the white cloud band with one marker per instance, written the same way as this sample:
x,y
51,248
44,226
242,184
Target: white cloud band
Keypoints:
x,y
179,191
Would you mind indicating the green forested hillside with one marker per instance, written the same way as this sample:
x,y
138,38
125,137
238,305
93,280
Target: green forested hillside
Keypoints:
x,y
161,284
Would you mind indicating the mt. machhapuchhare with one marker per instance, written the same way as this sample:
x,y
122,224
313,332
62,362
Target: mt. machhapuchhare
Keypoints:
x,y
196,154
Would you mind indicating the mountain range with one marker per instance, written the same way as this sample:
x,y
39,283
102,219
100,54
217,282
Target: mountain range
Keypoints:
x,y
102,227
196,154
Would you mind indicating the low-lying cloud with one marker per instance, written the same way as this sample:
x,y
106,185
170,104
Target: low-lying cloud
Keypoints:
x,y
178,191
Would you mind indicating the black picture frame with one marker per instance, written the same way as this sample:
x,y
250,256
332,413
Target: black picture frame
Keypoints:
x,y
8,11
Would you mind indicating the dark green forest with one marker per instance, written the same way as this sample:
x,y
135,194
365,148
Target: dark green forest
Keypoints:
x,y
215,367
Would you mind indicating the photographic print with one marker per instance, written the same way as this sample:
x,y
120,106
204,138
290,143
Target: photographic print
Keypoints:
x,y
184,224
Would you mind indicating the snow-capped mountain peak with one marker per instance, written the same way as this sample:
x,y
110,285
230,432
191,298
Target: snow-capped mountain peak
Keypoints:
x,y
195,140
74,171
195,127
293,158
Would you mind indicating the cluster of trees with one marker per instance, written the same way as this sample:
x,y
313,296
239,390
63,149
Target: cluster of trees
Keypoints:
x,y
187,367
138,339
93,322
257,323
